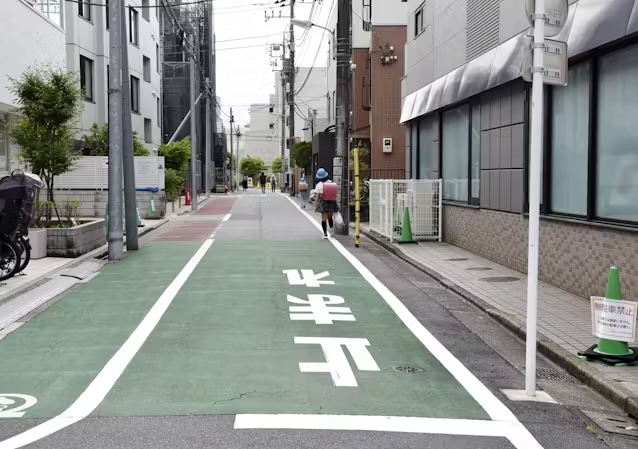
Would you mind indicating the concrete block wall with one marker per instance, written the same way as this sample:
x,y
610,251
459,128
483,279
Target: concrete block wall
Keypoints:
x,y
93,202
573,256
73,242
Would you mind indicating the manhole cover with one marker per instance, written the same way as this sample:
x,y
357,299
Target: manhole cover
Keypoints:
x,y
408,369
458,259
500,279
555,375
478,269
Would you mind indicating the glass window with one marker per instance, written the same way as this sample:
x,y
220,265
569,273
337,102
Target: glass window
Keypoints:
x,y
455,154
146,65
414,148
570,142
475,157
84,9
425,150
86,77
146,13
51,10
135,94
133,26
4,146
106,12
617,146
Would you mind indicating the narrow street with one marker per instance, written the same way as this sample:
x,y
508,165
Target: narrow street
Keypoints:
x,y
239,327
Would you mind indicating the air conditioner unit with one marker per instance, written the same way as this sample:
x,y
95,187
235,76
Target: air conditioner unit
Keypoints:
x,y
387,145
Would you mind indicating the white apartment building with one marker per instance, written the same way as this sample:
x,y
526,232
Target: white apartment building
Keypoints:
x,y
261,137
32,34
87,52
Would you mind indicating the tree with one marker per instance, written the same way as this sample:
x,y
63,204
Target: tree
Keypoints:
x,y
276,165
176,156
252,166
98,140
364,154
302,153
49,103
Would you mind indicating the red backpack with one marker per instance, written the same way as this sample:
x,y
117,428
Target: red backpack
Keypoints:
x,y
329,191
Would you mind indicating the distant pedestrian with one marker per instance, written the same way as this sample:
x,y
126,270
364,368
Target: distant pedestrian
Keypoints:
x,y
273,182
244,183
262,182
326,200
303,192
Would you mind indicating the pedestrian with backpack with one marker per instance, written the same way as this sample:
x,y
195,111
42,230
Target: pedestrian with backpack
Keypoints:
x,y
303,192
326,200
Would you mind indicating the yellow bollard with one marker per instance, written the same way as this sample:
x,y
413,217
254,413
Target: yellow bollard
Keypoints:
x,y
357,200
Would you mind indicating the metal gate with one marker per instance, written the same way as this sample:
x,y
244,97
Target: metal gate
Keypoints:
x,y
391,198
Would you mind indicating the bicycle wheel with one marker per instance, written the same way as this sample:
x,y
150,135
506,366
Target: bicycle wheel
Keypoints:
x,y
9,259
25,253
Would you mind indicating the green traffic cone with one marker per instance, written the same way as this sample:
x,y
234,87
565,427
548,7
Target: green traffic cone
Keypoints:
x,y
612,347
406,229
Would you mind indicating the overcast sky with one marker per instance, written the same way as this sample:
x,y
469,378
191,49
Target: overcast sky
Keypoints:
x,y
244,75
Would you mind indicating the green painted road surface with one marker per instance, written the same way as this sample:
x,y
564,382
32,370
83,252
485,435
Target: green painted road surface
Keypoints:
x,y
58,353
227,345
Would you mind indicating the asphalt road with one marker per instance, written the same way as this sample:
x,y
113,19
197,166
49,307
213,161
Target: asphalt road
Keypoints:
x,y
239,327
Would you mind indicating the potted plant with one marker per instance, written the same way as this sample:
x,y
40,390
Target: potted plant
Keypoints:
x,y
38,231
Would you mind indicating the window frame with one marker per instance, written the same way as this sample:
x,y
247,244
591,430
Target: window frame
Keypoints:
x,y
106,14
85,10
591,216
134,25
135,99
83,78
147,71
419,20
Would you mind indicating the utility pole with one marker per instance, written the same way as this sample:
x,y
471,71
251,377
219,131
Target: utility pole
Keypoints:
x,y
115,237
207,148
193,67
130,206
291,118
238,164
232,121
282,114
340,163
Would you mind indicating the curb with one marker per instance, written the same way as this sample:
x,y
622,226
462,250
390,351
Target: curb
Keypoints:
x,y
580,369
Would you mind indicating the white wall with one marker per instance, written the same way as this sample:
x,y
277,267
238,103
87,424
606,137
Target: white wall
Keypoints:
x,y
386,12
91,39
259,139
28,38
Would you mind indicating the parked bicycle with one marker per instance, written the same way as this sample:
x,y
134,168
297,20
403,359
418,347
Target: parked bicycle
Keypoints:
x,y
17,196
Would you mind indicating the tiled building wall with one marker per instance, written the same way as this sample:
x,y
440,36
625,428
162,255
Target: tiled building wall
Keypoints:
x,y
360,94
572,256
386,96
503,147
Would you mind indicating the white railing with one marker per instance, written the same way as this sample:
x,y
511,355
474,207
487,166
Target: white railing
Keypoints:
x,y
91,173
389,199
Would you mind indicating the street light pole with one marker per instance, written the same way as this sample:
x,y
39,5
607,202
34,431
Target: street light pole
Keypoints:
x,y
130,206
115,237
534,197
340,163
193,68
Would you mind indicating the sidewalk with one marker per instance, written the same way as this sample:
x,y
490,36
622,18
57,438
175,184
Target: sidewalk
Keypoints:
x,y
40,269
564,320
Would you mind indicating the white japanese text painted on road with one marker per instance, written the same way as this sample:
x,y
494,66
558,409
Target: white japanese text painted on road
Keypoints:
x,y
336,361
12,408
307,277
322,309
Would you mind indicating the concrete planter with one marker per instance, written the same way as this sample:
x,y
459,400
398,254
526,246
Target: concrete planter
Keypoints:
x,y
38,239
76,241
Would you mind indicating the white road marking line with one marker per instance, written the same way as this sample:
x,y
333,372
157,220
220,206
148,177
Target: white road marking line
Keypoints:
x,y
227,217
405,424
104,381
481,394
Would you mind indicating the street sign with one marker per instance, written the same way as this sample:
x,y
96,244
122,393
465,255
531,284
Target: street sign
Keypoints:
x,y
613,319
555,15
554,62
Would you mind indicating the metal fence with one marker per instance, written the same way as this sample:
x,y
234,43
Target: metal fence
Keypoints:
x,y
390,198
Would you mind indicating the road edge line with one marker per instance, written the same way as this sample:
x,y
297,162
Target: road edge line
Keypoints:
x,y
495,408
102,384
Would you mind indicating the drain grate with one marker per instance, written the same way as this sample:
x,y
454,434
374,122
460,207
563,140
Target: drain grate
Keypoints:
x,y
496,279
408,369
458,259
618,424
555,375
478,269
